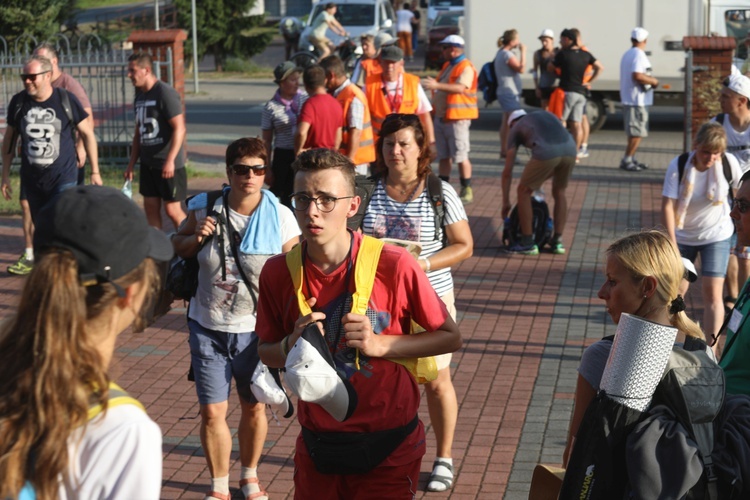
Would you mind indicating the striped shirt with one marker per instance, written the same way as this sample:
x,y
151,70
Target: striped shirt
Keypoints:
x,y
414,221
283,123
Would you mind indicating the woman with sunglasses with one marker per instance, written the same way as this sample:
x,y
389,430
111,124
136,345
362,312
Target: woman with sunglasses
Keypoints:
x,y
232,240
67,430
401,208
696,201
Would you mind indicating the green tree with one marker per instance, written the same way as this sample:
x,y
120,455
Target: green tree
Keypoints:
x,y
40,19
223,29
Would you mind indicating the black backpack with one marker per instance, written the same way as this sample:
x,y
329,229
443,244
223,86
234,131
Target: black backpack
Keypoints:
x,y
541,224
366,185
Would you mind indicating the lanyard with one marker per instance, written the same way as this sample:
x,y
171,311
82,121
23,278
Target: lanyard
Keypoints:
x,y
398,97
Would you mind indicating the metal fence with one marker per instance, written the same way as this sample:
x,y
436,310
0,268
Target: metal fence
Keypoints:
x,y
101,70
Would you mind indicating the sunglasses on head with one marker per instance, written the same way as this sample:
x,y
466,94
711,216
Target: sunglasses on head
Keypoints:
x,y
31,76
240,169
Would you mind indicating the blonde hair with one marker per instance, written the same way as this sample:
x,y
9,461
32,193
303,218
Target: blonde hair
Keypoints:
x,y
712,136
651,253
52,370
507,37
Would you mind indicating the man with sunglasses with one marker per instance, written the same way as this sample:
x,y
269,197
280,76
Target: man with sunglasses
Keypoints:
x,y
455,100
158,143
387,393
65,81
47,130
736,350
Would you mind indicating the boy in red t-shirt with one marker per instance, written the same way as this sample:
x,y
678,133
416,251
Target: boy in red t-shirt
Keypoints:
x,y
387,393
321,118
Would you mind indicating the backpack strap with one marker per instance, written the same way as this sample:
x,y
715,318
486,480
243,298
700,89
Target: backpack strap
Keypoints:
x,y
681,163
437,200
720,118
365,269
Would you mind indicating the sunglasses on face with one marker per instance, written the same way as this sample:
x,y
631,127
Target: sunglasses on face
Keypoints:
x,y
742,206
240,169
31,76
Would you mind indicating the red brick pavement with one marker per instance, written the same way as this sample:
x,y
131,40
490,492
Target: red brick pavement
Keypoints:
x,y
505,305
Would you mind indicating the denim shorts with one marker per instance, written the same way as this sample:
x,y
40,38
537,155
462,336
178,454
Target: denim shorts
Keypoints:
x,y
508,102
219,356
714,257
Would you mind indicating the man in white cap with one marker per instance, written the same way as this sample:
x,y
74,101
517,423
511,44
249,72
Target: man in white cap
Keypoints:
x,y
544,80
454,98
735,118
636,93
553,155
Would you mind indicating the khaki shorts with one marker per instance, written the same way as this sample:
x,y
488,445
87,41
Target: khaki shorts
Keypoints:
x,y
320,43
537,171
449,299
636,121
452,139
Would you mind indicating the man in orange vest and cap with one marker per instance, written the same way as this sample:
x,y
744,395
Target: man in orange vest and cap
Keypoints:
x,y
395,91
357,139
455,102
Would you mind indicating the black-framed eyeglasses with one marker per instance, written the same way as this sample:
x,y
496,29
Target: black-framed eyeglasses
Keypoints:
x,y
301,202
240,169
742,206
31,76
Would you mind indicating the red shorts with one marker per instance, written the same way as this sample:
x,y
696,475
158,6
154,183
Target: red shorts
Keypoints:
x,y
391,482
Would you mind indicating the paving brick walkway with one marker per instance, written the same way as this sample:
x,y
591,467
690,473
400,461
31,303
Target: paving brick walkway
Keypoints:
x,y
525,322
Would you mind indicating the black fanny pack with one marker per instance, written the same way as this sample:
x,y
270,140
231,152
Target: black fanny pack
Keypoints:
x,y
354,452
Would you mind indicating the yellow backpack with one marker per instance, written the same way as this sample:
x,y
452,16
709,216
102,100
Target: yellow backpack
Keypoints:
x,y
423,369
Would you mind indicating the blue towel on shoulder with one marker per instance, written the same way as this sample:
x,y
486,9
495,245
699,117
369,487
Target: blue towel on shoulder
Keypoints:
x,y
263,235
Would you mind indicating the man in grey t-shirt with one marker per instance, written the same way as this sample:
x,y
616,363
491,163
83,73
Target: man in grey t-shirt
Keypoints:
x,y
553,155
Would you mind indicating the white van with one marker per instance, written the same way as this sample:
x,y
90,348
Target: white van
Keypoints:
x,y
434,7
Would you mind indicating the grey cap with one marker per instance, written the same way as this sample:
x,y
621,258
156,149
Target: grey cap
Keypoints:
x,y
283,70
392,53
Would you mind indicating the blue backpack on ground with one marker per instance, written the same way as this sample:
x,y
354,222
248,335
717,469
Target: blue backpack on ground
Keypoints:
x,y
487,82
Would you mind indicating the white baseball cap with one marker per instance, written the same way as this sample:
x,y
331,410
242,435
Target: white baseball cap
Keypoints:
x,y
516,115
639,34
548,33
312,376
739,83
690,273
267,389
453,40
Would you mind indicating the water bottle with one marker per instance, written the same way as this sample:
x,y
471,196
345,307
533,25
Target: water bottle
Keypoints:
x,y
127,188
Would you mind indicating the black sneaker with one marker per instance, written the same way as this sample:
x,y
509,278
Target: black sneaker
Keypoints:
x,y
630,166
642,166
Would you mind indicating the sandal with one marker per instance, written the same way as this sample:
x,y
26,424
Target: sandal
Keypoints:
x,y
443,482
218,496
257,494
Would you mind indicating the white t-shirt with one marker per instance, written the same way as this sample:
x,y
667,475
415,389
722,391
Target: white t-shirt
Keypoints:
x,y
403,20
119,456
704,222
738,143
424,103
320,24
631,92
414,221
227,306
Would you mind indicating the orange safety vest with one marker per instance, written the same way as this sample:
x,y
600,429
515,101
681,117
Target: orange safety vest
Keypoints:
x,y
371,67
379,105
366,151
463,105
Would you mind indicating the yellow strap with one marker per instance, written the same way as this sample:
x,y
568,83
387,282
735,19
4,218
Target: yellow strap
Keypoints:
x,y
368,257
117,397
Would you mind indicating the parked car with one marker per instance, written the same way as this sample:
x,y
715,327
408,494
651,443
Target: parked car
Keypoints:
x,y
358,17
436,7
446,23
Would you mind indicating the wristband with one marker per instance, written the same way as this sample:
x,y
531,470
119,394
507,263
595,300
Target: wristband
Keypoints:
x,y
427,264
